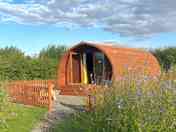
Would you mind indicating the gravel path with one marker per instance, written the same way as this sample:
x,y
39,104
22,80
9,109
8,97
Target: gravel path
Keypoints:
x,y
62,107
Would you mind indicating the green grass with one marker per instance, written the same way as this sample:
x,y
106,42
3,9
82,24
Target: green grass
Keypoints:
x,y
22,118
17,117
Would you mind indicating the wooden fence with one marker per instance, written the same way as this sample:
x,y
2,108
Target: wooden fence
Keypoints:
x,y
34,92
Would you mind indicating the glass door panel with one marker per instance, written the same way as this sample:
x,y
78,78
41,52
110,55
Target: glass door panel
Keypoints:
x,y
98,67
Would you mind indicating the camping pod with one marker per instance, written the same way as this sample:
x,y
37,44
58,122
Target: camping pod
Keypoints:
x,y
89,64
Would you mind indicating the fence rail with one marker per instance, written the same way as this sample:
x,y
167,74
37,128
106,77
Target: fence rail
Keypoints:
x,y
33,92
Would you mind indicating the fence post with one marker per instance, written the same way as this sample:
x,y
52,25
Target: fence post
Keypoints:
x,y
50,102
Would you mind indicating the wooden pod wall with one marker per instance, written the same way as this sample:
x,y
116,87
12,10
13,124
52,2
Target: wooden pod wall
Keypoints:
x,y
89,64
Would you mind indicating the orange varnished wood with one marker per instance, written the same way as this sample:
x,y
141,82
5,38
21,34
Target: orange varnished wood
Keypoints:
x,y
32,92
122,60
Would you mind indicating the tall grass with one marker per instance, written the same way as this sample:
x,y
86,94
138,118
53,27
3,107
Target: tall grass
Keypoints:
x,y
134,104
4,107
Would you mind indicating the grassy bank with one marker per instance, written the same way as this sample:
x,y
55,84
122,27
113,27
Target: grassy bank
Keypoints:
x,y
130,105
22,118
16,117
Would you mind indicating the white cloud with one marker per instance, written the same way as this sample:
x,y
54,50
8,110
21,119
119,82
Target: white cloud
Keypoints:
x,y
126,17
6,0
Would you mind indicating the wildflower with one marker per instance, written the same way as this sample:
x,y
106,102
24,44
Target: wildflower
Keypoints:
x,y
151,93
120,103
162,110
139,92
146,78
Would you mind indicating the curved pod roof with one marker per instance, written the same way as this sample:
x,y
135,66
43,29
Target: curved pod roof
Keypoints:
x,y
122,60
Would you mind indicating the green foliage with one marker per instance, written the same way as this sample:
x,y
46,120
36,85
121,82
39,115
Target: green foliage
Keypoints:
x,y
130,105
11,52
166,57
15,65
42,69
3,97
52,52
49,59
4,107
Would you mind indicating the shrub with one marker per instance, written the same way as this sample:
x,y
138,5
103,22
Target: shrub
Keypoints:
x,y
15,65
130,105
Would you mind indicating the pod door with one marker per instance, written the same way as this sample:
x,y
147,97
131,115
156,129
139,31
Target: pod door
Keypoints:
x,y
102,69
75,67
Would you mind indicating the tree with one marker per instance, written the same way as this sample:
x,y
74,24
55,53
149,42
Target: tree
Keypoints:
x,y
52,52
166,57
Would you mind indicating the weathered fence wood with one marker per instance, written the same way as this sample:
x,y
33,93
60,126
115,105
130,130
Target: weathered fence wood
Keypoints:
x,y
33,92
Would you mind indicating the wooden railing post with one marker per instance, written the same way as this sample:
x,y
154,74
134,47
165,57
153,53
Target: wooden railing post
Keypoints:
x,y
50,100
89,107
91,98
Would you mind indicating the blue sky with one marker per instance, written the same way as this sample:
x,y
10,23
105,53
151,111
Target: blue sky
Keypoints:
x,y
32,25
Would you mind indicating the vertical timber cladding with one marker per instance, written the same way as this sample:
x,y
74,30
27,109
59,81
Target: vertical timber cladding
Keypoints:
x,y
34,92
119,59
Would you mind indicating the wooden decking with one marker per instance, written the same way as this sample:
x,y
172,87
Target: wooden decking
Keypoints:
x,y
77,89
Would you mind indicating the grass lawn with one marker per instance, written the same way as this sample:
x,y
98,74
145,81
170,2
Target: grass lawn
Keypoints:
x,y
23,118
